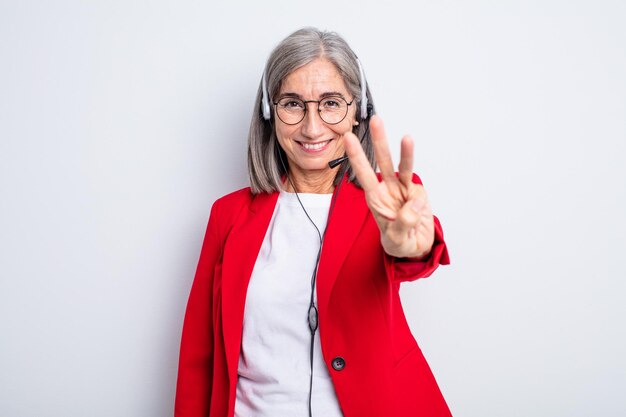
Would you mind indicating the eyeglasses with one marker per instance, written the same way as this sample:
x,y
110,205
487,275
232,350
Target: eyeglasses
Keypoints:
x,y
332,110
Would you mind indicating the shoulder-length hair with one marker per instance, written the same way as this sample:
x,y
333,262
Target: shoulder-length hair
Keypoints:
x,y
265,169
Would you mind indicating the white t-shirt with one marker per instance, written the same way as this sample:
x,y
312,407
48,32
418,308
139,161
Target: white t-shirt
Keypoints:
x,y
274,365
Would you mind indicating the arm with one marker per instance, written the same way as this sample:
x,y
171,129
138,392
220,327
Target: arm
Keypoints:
x,y
410,269
398,202
195,368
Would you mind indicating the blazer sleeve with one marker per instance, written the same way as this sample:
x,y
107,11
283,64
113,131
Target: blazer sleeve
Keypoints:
x,y
406,269
195,368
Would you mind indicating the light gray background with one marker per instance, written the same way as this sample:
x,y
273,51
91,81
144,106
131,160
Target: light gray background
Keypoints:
x,y
121,122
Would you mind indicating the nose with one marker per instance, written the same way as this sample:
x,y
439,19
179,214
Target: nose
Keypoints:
x,y
312,125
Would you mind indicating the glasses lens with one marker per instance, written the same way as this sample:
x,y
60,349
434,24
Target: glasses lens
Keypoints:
x,y
290,110
333,109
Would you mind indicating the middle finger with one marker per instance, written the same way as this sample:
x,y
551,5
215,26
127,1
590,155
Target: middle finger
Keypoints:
x,y
381,149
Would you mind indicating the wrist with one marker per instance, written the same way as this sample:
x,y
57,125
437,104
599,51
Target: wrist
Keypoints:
x,y
420,257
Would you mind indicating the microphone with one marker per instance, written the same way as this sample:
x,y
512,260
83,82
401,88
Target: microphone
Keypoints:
x,y
335,162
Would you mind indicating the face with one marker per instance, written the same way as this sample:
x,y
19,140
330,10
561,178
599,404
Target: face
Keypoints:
x,y
312,143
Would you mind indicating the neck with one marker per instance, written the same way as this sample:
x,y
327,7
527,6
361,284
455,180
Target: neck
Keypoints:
x,y
315,183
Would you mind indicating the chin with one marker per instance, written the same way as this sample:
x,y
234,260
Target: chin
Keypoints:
x,y
313,168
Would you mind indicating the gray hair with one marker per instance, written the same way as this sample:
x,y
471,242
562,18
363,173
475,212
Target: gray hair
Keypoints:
x,y
265,169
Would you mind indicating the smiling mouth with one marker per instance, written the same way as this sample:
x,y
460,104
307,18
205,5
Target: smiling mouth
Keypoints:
x,y
314,146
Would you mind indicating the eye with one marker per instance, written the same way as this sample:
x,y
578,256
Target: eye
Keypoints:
x,y
332,103
292,104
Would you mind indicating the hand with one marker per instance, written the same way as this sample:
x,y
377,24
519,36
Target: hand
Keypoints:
x,y
399,206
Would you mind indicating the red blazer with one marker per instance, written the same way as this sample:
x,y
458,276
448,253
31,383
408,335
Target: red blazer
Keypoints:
x,y
361,321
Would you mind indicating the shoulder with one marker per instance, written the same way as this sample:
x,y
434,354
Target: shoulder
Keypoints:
x,y
225,210
233,200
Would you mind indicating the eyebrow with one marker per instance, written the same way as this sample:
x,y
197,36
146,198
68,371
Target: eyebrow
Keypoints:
x,y
322,96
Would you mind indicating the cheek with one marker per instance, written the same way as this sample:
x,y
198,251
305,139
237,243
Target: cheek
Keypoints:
x,y
283,133
340,136
345,127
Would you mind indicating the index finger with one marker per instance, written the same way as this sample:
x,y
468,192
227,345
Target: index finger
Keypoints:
x,y
360,163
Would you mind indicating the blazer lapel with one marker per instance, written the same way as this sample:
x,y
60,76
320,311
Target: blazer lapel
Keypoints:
x,y
240,254
344,225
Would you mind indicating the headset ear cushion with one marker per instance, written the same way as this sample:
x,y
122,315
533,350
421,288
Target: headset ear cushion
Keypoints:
x,y
265,105
363,82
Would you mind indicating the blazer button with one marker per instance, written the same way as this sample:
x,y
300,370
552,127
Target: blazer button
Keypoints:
x,y
338,363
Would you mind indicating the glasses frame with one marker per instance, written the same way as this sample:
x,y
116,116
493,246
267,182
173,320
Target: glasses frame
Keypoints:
x,y
319,111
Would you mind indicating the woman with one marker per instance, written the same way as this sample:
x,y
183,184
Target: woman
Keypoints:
x,y
294,309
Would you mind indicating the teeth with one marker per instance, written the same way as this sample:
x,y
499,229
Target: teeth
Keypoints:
x,y
314,146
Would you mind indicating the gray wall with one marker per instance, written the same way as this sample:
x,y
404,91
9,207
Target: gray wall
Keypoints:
x,y
121,122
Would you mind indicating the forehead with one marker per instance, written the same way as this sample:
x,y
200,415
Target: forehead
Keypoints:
x,y
314,79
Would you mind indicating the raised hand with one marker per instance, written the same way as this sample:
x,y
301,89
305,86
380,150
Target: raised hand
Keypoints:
x,y
400,207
